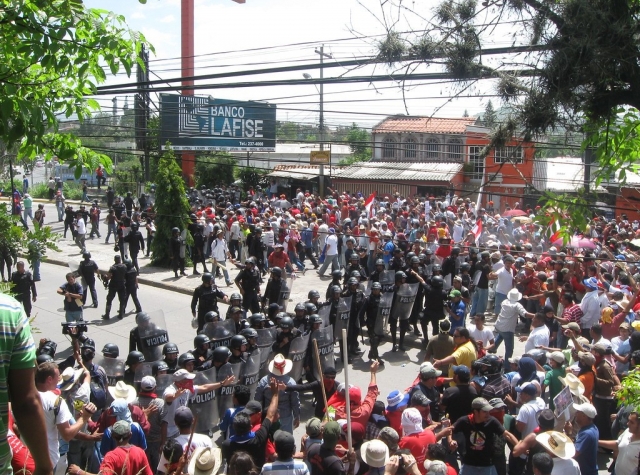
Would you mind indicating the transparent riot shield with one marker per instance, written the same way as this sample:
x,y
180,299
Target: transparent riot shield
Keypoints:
x,y
266,338
324,313
250,374
153,336
74,269
220,333
144,369
285,293
405,298
225,393
324,337
297,354
204,404
387,280
384,309
114,367
342,316
163,381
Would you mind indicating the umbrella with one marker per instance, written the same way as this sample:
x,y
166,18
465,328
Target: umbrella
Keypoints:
x,y
635,242
521,220
577,242
514,212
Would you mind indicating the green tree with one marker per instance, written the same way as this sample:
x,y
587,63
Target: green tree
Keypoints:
x,y
252,177
489,117
359,141
53,55
216,169
171,206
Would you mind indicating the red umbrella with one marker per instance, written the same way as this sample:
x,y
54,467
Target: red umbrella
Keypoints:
x,y
577,242
514,212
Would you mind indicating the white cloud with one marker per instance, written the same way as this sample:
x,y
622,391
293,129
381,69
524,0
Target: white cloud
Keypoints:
x,y
167,19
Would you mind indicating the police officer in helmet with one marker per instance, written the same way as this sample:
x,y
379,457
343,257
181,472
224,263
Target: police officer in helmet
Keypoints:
x,y
273,290
205,298
170,357
116,281
336,277
134,360
369,311
238,348
285,334
251,336
201,351
248,281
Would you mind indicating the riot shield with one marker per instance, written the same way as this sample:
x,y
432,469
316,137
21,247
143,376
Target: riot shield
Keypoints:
x,y
204,405
251,371
384,309
144,369
163,381
387,280
285,293
405,298
153,336
297,353
342,316
324,338
114,367
73,268
266,338
225,393
324,313
220,333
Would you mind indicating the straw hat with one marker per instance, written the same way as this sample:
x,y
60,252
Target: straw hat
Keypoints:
x,y
69,377
123,391
375,453
575,385
514,296
205,461
557,443
280,365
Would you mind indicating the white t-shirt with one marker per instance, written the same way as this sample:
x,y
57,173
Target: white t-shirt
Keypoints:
x,y
528,414
628,453
504,282
170,409
51,421
508,318
199,440
81,227
538,337
565,467
485,335
332,245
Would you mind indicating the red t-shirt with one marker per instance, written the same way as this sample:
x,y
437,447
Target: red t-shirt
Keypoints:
x,y
417,444
22,461
129,460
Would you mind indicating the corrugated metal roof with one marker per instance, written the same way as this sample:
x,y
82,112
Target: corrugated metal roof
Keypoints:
x,y
425,125
301,172
401,171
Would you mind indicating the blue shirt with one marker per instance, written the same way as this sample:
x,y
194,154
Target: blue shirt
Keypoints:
x,y
587,446
227,421
459,309
388,246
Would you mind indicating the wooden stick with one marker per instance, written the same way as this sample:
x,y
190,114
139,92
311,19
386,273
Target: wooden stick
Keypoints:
x,y
345,359
316,355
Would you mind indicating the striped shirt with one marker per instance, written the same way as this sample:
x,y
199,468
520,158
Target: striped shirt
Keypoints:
x,y
17,351
289,467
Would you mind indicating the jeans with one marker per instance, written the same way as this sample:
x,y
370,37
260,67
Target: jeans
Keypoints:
x,y
471,470
293,257
333,260
286,423
60,209
497,302
111,229
73,315
479,301
28,212
224,270
508,338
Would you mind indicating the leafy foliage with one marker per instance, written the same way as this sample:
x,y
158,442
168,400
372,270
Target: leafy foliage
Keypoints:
x,y
252,177
216,169
53,54
489,117
629,395
360,144
172,206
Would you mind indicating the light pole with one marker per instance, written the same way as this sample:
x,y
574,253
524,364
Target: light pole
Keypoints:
x,y
321,93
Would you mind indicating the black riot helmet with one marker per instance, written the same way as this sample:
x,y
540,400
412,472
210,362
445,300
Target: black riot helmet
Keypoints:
x,y
235,296
211,316
409,256
315,319
111,350
491,364
249,333
336,289
353,281
376,286
256,319
436,268
200,341
276,271
380,262
336,274
170,348
465,266
207,278
185,358
400,275
415,260
299,308
313,294
134,357
221,354
286,323
437,281
310,308
44,358
237,341
159,366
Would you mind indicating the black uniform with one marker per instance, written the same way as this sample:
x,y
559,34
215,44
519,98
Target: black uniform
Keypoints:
x,y
205,298
369,310
272,292
117,286
131,287
283,341
357,300
351,268
128,204
197,255
417,305
331,284
397,263
249,279
203,359
177,262
233,359
23,286
136,244
434,299
87,270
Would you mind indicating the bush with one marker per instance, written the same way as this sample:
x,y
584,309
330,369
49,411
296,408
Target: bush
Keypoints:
x,y
71,191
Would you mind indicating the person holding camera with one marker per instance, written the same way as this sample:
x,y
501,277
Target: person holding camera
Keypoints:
x,y
72,292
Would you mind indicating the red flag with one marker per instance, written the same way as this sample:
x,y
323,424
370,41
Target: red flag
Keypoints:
x,y
369,203
477,230
556,228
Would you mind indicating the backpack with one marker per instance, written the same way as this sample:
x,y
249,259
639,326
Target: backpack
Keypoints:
x,y
98,390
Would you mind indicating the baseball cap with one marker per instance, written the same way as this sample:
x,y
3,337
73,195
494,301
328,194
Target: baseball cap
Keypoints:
x,y
573,326
514,360
182,374
284,441
252,407
455,293
183,416
148,383
427,370
481,404
587,409
527,388
331,434
625,325
389,436
557,356
314,427
497,403
587,358
461,370
121,428
600,348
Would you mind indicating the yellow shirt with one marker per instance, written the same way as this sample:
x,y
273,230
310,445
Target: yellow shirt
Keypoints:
x,y
465,354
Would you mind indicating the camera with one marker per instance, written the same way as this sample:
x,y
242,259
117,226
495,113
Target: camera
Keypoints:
x,y
75,330
47,347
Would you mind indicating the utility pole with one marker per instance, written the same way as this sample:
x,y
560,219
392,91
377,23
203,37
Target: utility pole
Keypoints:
x,y
142,102
322,56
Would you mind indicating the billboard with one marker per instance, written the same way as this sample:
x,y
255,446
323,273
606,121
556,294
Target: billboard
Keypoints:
x,y
202,123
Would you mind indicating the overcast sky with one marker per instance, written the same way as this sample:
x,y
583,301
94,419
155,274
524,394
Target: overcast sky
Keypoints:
x,y
223,26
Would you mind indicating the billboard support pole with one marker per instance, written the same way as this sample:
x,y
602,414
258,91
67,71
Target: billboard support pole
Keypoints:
x,y
322,56
188,52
